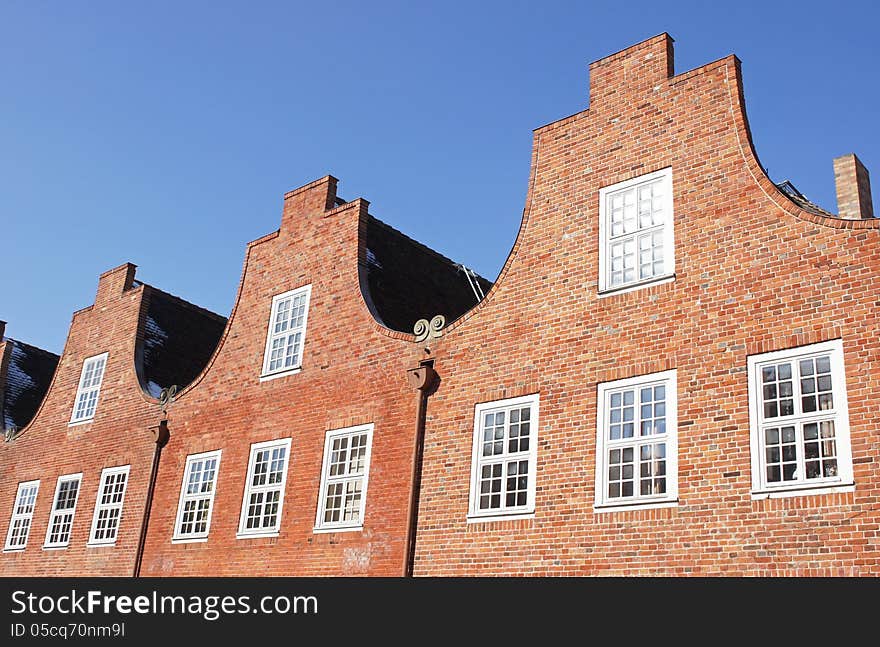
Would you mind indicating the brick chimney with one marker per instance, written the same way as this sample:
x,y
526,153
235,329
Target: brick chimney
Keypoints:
x,y
853,188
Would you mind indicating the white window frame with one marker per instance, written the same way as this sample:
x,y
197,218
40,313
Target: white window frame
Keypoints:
x,y
250,488
178,537
29,516
267,374
326,480
55,515
668,274
606,503
82,391
843,482
106,473
504,513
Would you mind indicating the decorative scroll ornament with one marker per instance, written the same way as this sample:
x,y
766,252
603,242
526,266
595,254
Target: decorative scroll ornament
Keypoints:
x,y
424,330
166,397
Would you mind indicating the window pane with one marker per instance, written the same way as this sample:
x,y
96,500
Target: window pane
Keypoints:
x,y
620,472
358,454
519,430
780,453
352,504
820,450
776,391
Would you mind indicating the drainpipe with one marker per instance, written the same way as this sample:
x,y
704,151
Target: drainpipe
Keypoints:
x,y
160,437
424,378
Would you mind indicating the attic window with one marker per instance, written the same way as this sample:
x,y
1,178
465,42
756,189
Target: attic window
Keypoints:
x,y
287,333
636,245
89,388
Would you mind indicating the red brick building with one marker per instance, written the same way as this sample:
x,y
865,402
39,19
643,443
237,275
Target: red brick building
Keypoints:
x,y
332,271
243,487
700,346
75,479
675,373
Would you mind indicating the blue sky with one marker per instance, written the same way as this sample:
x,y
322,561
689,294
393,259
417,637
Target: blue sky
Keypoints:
x,y
166,133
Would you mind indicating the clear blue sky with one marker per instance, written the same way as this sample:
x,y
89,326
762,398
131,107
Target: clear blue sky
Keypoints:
x,y
165,133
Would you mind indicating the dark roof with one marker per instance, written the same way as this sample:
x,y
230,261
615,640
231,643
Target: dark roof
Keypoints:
x,y
801,200
407,281
179,339
25,375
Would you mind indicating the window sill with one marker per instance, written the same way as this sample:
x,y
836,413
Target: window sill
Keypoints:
x,y
257,535
507,516
323,530
188,540
635,505
77,423
14,550
805,490
64,547
630,287
266,377
101,544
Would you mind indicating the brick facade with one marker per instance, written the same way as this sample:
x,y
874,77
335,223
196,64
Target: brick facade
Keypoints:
x,y
756,271
353,372
753,273
120,433
48,448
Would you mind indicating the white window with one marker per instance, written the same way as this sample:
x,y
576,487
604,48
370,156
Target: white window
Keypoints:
x,y
637,441
22,514
343,493
108,506
287,332
636,241
197,497
264,489
89,387
504,458
63,509
799,420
